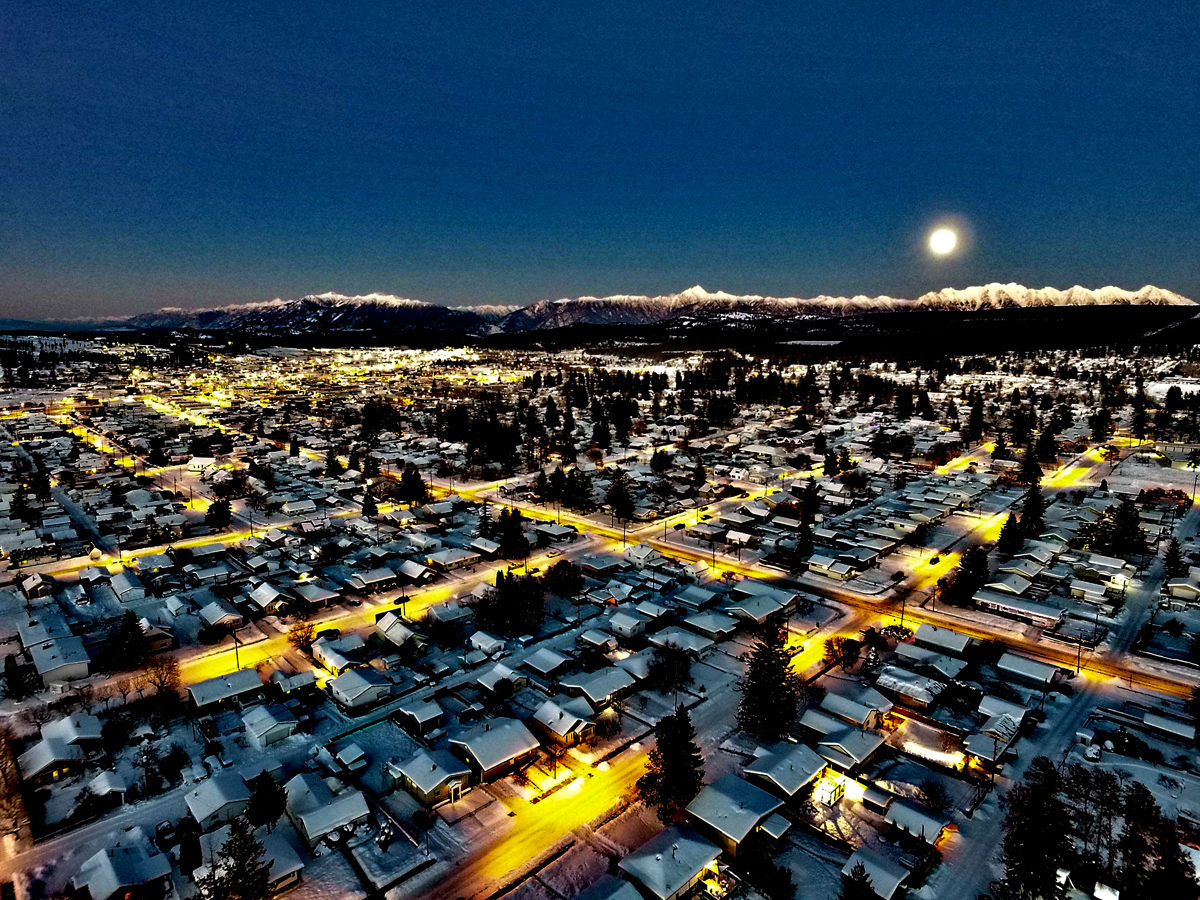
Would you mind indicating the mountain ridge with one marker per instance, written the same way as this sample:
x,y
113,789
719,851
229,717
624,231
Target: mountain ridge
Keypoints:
x,y
379,312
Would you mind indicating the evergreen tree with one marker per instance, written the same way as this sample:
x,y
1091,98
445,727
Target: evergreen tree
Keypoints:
x,y
511,535
699,475
1152,862
241,870
219,514
1012,539
975,424
1037,833
412,487
1033,513
619,498
333,465
924,408
810,500
1128,537
369,506
268,801
541,486
1173,563
674,768
831,468
857,885
1031,469
767,710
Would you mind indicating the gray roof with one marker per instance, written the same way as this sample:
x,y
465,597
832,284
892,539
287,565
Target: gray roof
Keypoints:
x,y
113,869
733,806
886,875
430,769
225,687
496,742
790,766
665,863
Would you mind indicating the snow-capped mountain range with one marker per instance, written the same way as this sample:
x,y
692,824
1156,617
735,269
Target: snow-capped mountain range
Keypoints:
x,y
331,312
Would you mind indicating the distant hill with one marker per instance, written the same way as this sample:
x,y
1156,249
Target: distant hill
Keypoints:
x,y
696,302
383,315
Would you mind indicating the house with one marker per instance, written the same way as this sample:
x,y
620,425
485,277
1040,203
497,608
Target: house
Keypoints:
x,y
600,688
911,819
391,628
238,687
80,729
268,598
49,760
1026,670
886,876
545,661
375,580
732,809
486,643
317,812
286,867
785,769
626,624
219,614
564,721
266,725
830,567
421,716
643,556
127,586
450,559
847,747
64,659
124,872
359,688
943,640
338,654
669,865
218,800
495,746
432,776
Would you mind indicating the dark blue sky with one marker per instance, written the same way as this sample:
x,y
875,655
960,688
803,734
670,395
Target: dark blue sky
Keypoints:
x,y
201,153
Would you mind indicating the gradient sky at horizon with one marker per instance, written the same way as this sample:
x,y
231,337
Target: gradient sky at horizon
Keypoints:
x,y
197,154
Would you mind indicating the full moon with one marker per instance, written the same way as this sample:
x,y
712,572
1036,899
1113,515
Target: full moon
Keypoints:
x,y
943,241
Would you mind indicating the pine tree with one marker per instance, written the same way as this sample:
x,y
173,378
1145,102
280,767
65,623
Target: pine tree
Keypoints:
x,y
767,709
241,870
1031,469
1012,539
857,885
1173,563
975,425
1033,513
831,468
369,506
333,465
1037,827
268,800
674,768
1128,537
619,498
699,475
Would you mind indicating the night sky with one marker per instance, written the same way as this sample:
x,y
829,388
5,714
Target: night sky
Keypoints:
x,y
203,153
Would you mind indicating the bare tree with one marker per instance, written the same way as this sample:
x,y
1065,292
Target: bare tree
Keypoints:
x,y
125,686
12,805
105,693
163,672
37,715
85,696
